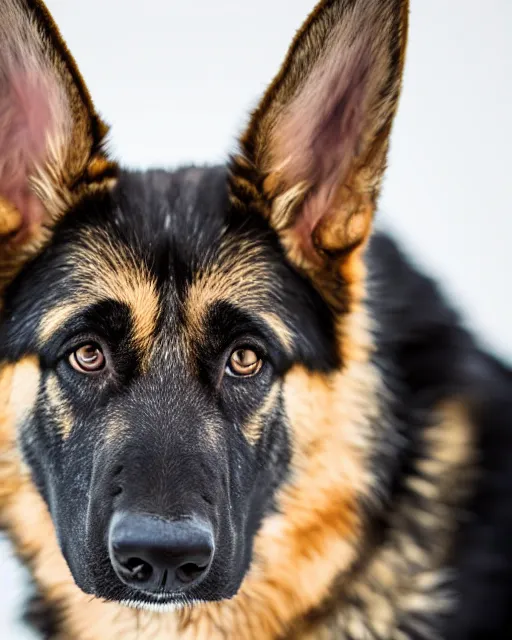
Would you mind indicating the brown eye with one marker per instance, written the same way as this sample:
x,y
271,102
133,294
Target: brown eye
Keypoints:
x,y
244,362
88,358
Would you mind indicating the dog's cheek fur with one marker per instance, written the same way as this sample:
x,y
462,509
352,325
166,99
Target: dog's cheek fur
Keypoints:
x,y
19,386
23,512
34,422
318,523
404,585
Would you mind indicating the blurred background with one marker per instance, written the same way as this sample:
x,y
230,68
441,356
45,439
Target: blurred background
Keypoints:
x,y
177,78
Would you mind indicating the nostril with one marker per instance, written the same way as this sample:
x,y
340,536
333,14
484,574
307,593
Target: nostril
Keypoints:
x,y
138,569
118,469
117,491
189,572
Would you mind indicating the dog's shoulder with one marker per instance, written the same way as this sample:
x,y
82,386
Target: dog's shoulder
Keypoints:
x,y
424,341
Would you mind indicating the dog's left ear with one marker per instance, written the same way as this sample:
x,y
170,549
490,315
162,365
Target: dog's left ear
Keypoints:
x,y
314,153
51,139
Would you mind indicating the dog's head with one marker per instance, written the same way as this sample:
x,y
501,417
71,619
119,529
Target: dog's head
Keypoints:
x,y
182,346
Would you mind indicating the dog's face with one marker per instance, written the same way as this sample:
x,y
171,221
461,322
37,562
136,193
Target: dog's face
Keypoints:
x,y
161,343
171,334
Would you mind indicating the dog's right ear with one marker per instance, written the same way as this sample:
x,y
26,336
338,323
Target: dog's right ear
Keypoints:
x,y
51,139
312,159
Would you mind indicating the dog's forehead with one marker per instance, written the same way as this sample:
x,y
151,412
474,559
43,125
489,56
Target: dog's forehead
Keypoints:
x,y
180,227
188,205
165,247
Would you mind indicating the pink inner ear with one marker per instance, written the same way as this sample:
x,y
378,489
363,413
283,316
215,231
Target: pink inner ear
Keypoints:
x,y
319,134
30,102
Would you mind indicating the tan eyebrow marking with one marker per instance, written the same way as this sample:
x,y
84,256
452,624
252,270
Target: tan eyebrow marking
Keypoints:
x,y
279,328
106,271
242,277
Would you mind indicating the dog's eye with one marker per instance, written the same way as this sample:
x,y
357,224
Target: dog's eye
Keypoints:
x,y
244,362
88,358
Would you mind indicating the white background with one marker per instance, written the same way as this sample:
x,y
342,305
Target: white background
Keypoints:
x,y
176,78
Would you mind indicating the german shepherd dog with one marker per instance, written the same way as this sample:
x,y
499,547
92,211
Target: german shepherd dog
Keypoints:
x,y
229,409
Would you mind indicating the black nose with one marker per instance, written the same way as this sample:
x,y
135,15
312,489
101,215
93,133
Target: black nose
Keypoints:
x,y
153,554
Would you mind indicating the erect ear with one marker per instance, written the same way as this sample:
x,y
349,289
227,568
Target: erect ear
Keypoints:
x,y
50,136
315,150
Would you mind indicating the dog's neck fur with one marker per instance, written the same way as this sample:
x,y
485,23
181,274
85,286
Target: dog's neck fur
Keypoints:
x,y
401,585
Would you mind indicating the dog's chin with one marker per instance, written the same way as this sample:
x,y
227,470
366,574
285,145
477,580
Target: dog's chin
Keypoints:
x,y
155,602
165,603
159,604
162,602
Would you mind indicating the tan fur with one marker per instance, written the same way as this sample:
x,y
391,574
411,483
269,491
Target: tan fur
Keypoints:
x,y
61,412
253,429
19,384
24,388
10,218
